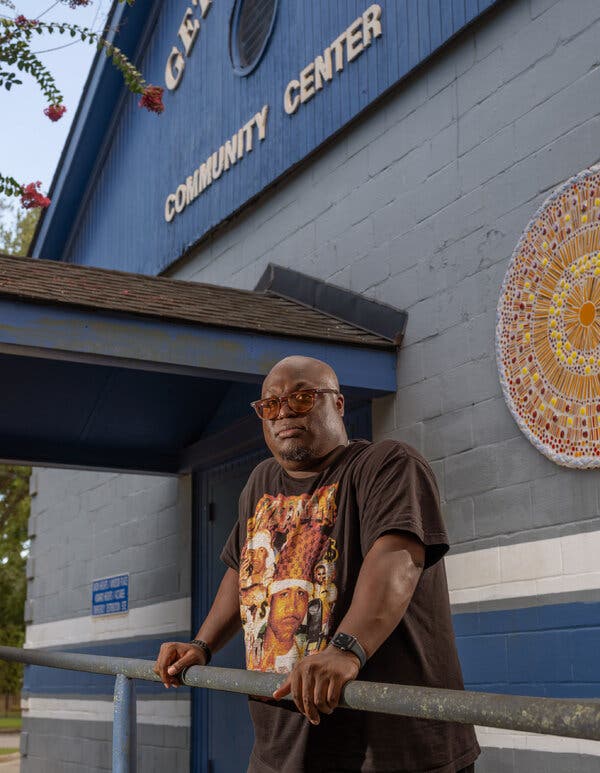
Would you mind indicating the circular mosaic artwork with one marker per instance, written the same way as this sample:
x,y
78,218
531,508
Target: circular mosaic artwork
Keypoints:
x,y
548,326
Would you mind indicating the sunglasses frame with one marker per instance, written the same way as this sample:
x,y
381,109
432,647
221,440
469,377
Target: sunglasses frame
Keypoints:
x,y
285,398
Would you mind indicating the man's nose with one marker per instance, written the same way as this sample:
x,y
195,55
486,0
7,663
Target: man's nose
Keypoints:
x,y
285,410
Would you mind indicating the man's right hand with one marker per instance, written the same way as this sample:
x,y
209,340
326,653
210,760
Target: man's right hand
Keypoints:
x,y
221,623
173,657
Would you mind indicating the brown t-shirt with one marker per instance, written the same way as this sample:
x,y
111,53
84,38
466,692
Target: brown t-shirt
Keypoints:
x,y
298,546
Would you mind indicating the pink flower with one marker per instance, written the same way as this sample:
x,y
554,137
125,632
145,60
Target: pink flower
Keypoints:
x,y
152,99
23,21
31,197
55,112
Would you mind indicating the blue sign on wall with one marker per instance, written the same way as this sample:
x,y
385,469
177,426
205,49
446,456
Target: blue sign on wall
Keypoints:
x,y
110,595
165,181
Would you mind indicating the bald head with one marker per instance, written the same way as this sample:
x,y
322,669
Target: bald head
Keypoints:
x,y
303,442
303,369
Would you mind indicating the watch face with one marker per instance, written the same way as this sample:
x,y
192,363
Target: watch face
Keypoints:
x,y
343,640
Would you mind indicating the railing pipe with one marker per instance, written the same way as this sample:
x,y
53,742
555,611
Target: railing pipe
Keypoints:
x,y
572,718
124,749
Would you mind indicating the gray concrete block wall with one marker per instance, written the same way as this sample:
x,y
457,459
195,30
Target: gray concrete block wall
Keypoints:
x,y
89,525
419,205
54,746
86,525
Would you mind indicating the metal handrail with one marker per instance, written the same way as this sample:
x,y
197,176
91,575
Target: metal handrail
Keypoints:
x,y
573,718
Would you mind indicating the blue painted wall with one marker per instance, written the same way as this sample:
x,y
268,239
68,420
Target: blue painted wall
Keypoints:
x,y
549,651
55,681
122,222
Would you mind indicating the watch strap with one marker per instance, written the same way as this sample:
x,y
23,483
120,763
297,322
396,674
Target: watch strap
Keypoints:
x,y
203,646
348,643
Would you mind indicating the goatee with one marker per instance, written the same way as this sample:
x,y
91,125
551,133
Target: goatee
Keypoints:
x,y
296,454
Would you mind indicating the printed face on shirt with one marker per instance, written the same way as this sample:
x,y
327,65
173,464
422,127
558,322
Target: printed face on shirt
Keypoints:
x,y
287,612
320,575
257,559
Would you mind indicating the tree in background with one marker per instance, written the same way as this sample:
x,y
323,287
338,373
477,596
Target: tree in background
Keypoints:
x,y
15,240
14,503
16,57
14,516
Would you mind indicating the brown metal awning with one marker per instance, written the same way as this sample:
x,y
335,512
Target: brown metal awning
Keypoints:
x,y
71,285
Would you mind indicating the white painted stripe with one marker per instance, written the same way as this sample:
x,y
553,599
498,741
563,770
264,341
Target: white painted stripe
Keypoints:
x,y
538,568
162,618
174,712
509,739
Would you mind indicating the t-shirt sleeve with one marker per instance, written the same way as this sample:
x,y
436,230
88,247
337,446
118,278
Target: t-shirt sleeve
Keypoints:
x,y
398,492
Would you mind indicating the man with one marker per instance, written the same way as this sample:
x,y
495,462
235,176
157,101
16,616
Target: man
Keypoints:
x,y
368,515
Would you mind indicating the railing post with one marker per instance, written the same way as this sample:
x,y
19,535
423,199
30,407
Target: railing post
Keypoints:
x,y
124,755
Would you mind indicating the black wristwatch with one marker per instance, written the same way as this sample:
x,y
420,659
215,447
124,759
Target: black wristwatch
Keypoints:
x,y
347,643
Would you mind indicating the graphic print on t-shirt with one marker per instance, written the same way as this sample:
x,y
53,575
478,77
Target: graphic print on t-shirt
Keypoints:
x,y
287,578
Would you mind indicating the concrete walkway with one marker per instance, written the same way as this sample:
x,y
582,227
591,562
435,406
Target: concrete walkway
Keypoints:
x,y
11,766
9,741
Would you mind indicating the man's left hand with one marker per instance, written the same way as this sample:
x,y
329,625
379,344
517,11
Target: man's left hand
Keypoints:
x,y
316,682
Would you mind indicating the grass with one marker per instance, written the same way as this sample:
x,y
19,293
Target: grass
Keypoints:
x,y
8,751
13,723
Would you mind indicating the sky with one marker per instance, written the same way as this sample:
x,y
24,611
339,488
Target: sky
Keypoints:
x,y
30,143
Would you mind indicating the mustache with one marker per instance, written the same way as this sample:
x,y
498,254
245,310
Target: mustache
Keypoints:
x,y
279,430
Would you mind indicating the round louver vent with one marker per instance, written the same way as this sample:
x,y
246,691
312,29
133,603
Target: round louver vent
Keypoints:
x,y
251,25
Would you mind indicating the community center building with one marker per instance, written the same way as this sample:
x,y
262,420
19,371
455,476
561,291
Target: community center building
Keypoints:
x,y
404,189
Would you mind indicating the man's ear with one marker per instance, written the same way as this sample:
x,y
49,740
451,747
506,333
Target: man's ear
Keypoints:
x,y
339,404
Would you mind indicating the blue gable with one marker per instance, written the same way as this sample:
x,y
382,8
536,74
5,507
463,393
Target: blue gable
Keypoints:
x,y
162,182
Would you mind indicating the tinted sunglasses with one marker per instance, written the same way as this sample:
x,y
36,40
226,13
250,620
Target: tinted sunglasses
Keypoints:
x,y
300,402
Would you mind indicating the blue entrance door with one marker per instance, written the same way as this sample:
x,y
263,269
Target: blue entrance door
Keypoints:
x,y
222,732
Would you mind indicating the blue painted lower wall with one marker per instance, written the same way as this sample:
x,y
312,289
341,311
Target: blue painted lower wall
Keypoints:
x,y
53,681
547,651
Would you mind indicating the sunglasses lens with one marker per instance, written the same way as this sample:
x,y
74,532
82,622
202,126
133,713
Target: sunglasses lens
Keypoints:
x,y
301,402
268,409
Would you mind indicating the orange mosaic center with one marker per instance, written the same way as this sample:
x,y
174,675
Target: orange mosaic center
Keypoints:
x,y
548,327
587,313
